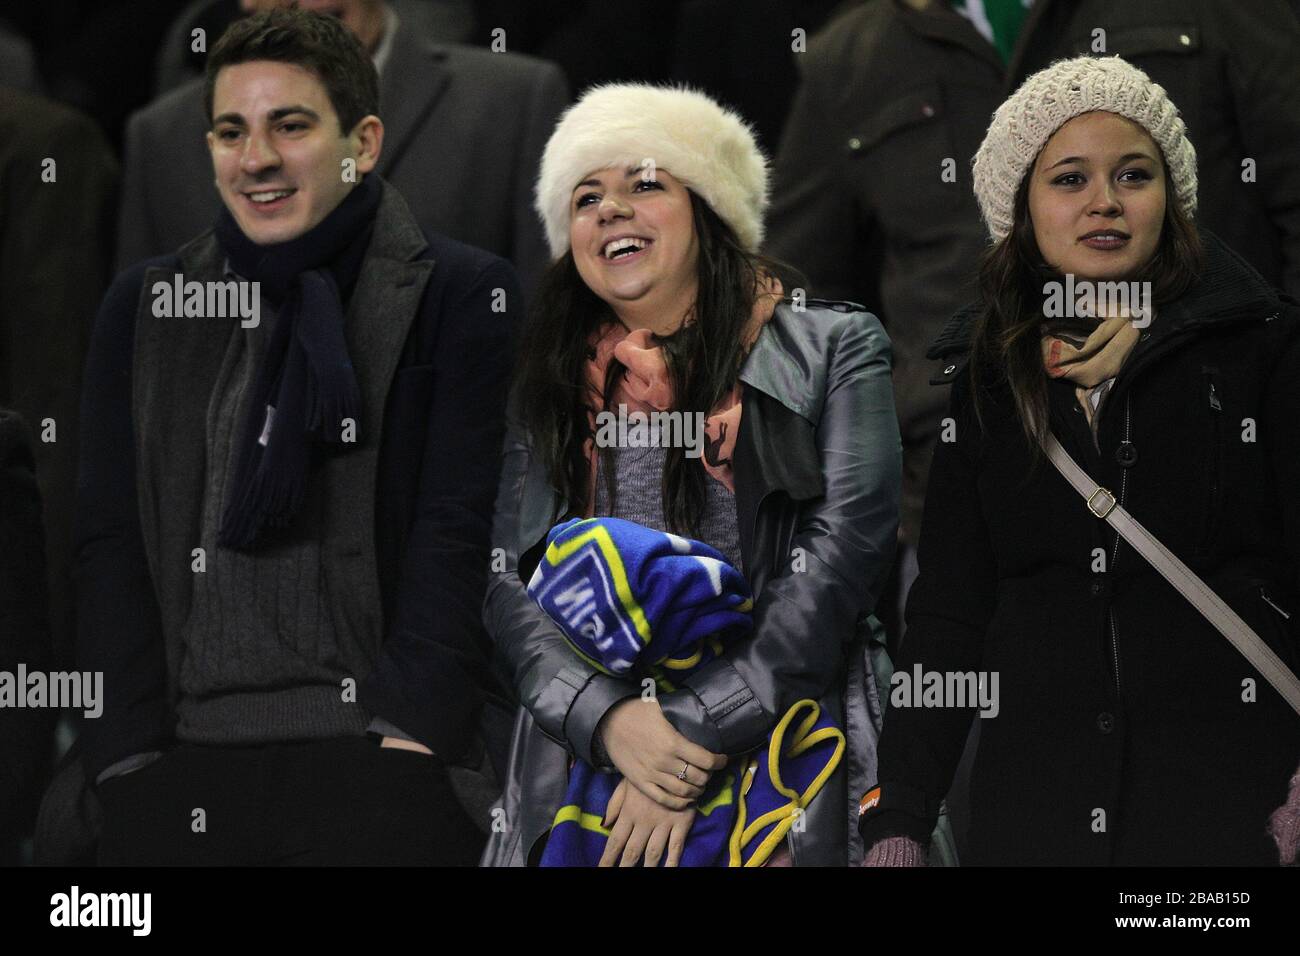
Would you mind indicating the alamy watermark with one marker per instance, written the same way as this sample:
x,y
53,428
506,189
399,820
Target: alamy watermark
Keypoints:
x,y
75,908
922,688
208,300
624,429
58,689
1105,300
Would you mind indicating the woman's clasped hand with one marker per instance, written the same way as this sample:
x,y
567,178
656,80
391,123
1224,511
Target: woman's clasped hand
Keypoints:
x,y
663,775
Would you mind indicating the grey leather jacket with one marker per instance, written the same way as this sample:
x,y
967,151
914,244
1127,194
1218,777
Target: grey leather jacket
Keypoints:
x,y
818,473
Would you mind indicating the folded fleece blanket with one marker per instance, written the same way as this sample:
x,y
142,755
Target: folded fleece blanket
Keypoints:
x,y
635,602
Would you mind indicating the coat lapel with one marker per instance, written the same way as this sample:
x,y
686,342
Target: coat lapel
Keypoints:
x,y
383,307
540,507
937,20
175,365
776,449
414,79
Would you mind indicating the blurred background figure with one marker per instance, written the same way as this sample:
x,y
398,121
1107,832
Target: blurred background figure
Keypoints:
x,y
58,183
750,61
24,636
56,218
439,21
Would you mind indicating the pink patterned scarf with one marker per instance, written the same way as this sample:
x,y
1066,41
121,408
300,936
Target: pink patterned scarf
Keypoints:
x,y
646,387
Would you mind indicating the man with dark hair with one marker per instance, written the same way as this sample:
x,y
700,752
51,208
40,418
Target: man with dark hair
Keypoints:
x,y
292,438
351,82
465,130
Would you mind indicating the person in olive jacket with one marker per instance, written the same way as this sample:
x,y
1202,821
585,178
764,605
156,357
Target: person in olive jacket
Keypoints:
x,y
1127,729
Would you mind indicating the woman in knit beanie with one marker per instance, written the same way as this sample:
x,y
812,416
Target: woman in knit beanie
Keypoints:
x,y
1126,729
657,301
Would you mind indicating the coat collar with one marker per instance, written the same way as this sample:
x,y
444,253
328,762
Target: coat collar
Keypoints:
x,y
937,20
1228,290
776,450
779,367
785,391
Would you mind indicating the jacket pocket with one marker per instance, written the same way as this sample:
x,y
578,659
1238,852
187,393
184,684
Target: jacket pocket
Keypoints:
x,y
896,155
921,106
1281,626
1268,609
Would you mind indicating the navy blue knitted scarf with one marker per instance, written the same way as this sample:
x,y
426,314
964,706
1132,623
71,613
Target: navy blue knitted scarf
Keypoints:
x,y
305,387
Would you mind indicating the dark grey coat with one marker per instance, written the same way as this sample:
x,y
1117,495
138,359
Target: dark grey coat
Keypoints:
x,y
817,466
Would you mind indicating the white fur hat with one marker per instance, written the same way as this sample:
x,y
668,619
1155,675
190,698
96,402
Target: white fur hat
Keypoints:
x,y
708,148
1052,97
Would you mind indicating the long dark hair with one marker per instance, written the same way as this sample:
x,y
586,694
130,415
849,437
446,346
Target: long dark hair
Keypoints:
x,y
704,358
1005,339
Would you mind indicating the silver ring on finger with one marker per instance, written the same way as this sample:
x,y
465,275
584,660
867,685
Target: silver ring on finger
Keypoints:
x,y
681,774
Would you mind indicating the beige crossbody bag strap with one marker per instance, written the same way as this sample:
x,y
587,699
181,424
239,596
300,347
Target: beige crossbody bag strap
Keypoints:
x,y
1225,620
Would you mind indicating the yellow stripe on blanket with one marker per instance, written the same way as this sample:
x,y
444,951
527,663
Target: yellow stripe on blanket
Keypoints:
x,y
722,799
686,663
588,821
598,534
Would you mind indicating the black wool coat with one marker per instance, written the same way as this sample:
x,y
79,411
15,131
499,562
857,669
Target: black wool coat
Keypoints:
x,y
1127,732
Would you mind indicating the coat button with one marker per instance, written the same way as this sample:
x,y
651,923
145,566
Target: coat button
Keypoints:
x,y
1105,722
1126,454
1098,585
855,144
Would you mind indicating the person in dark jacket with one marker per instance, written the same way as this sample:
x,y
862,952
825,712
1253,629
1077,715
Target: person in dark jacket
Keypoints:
x,y
1127,729
284,508
656,288
871,191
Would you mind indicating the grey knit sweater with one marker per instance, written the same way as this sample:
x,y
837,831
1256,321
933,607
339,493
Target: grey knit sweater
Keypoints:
x,y
266,651
638,482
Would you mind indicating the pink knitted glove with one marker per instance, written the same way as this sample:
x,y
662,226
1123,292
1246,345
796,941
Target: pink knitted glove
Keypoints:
x,y
896,851
1284,824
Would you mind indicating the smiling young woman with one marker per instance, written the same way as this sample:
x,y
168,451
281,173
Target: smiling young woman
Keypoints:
x,y
1125,718
653,201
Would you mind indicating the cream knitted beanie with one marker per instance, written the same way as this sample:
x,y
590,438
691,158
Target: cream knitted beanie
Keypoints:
x,y
1052,97
708,148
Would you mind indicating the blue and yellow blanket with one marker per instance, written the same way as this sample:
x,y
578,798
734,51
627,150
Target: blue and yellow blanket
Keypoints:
x,y
635,602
